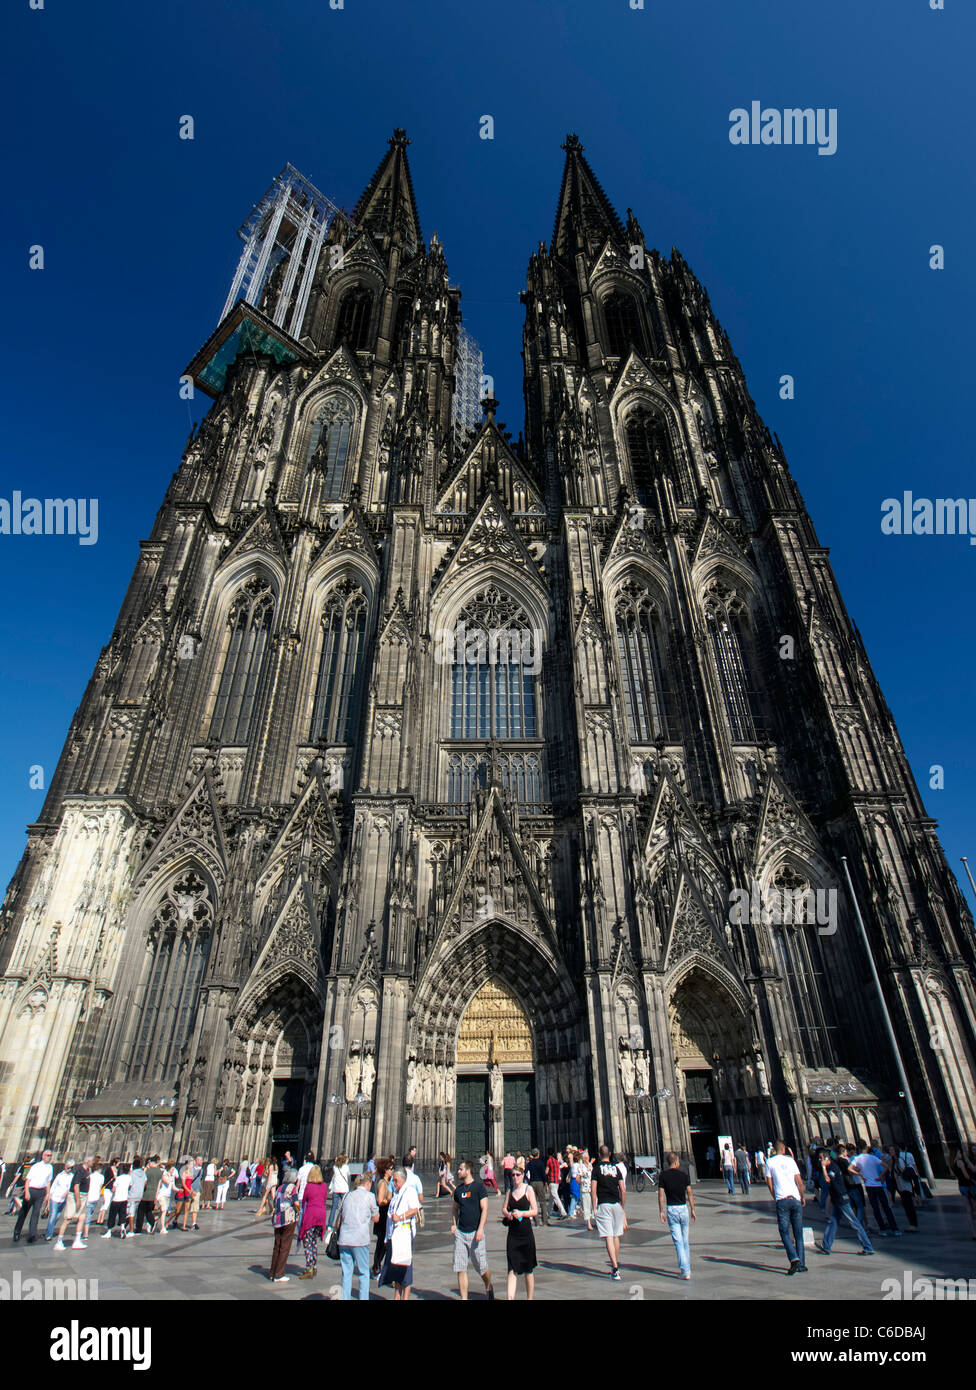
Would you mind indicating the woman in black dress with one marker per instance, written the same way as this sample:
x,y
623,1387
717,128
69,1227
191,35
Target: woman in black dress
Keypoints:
x,y
519,1210
383,1193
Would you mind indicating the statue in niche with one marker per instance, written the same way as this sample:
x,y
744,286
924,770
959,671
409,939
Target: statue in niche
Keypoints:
x,y
426,1084
411,1097
642,1070
761,1076
369,1074
352,1073
628,1072
450,1081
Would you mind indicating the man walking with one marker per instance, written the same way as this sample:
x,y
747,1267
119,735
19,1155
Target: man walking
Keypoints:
x,y
742,1168
137,1191
468,1230
147,1206
358,1214
608,1194
728,1168
37,1188
785,1183
536,1175
553,1174
75,1206
873,1169
840,1205
676,1202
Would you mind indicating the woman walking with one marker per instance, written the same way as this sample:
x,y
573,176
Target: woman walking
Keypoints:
x,y
340,1185
445,1178
585,1174
314,1220
384,1191
267,1199
519,1210
286,1208
398,1265
575,1190
224,1174
108,1178
209,1183
488,1173
119,1203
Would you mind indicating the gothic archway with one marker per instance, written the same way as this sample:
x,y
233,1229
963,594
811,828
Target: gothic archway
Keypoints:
x,y
510,973
722,1079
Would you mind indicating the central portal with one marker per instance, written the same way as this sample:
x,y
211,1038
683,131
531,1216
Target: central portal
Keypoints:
x,y
495,1102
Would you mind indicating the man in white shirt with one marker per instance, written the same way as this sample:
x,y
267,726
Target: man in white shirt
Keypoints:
x,y
40,1175
785,1183
414,1182
60,1187
303,1173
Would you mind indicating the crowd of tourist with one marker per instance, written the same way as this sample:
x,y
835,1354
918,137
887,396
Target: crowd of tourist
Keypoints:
x,y
329,1204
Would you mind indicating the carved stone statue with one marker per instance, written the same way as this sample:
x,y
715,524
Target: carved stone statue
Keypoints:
x,y
497,1085
789,1074
761,1075
642,1070
450,1082
411,1081
426,1084
369,1074
628,1072
438,1085
352,1074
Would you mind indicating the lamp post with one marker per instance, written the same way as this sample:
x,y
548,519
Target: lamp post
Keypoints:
x,y
899,1067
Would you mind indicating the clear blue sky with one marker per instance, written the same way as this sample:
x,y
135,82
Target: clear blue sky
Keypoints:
x,y
816,266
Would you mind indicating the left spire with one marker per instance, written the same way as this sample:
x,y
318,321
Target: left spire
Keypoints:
x,y
387,208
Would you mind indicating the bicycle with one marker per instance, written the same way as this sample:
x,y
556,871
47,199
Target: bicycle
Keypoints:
x,y
646,1172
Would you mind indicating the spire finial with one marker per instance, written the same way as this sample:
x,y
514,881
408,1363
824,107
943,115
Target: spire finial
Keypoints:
x,y
572,143
400,138
489,405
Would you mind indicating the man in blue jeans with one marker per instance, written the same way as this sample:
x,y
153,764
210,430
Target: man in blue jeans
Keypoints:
x,y
676,1203
785,1184
357,1217
832,1170
873,1170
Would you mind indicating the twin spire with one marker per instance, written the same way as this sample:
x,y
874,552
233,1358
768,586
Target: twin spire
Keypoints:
x,y
584,214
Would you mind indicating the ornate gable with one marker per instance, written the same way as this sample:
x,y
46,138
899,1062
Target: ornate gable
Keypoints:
x,y
496,881
310,835
295,941
691,930
487,451
195,828
353,535
716,539
263,535
782,822
491,536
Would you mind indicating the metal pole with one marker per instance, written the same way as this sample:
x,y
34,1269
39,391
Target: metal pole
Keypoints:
x,y
969,875
913,1113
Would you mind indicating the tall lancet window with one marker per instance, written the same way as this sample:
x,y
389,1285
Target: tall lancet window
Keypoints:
x,y
726,621
250,620
328,447
352,325
497,658
624,328
641,669
650,453
178,948
339,689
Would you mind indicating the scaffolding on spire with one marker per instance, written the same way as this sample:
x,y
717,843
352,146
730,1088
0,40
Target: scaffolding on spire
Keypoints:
x,y
290,222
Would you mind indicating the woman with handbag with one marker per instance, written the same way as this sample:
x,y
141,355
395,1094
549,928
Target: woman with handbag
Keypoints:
x,y
340,1184
398,1266
286,1208
314,1220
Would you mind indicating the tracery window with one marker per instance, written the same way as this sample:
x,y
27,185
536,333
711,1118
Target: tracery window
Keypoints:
x,y
641,668
726,622
352,325
496,658
519,773
649,448
250,620
329,444
624,327
179,939
338,692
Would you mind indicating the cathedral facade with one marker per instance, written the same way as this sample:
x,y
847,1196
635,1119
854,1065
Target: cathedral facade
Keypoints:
x,y
445,789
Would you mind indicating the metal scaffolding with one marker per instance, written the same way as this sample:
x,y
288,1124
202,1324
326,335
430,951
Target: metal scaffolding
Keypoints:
x,y
290,223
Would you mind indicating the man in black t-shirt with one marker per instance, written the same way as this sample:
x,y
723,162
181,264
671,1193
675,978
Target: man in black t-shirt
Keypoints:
x,y
677,1205
535,1176
468,1230
608,1194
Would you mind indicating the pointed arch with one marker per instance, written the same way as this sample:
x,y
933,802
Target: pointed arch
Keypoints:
x,y
247,641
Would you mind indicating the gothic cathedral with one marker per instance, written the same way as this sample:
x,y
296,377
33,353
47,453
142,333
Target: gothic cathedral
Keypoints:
x,y
411,797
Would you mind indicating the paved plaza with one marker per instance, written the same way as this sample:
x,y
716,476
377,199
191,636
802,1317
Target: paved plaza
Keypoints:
x,y
735,1250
